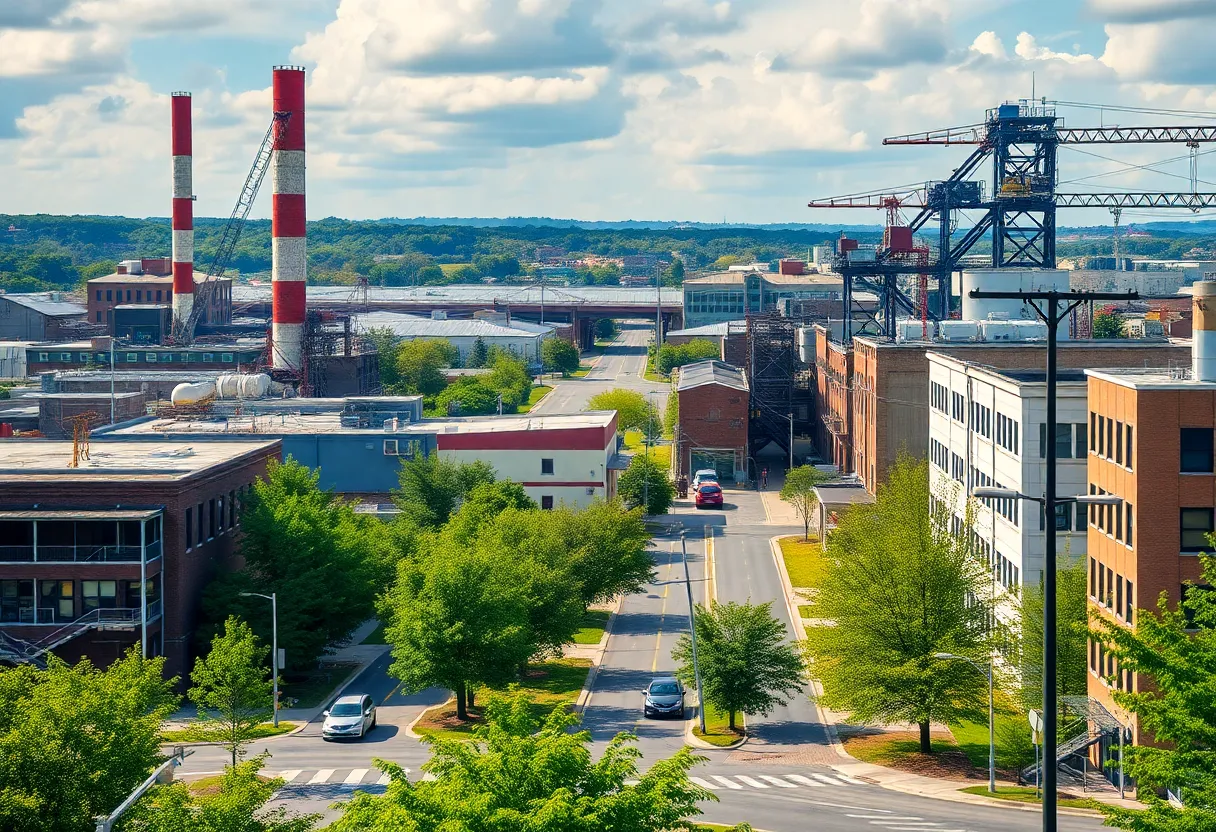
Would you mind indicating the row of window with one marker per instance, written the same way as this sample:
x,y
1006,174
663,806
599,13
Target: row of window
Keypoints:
x,y
55,601
958,408
1069,440
939,397
218,515
939,455
139,295
1007,433
1111,590
1116,520
138,358
1104,665
981,420
1112,440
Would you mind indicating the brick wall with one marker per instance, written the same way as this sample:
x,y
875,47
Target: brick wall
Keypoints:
x,y
712,416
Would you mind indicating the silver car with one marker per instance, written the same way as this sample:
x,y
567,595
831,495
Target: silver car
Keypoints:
x,y
703,475
350,716
664,697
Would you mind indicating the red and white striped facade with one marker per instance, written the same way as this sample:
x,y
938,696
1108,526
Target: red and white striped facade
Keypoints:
x,y
183,208
289,267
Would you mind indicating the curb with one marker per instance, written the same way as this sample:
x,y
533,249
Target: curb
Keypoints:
x,y
409,729
696,742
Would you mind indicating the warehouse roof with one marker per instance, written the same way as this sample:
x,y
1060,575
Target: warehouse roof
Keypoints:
x,y
199,277
53,304
488,296
710,372
40,458
720,329
416,326
736,278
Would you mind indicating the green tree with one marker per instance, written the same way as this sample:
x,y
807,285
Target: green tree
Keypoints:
x,y
671,356
295,538
386,343
606,329
747,664
484,502
799,492
1108,325
608,545
1071,636
75,740
231,686
468,396
559,356
521,776
671,415
457,619
895,588
633,410
432,488
1174,652
420,365
477,354
727,260
239,805
645,483
508,377
674,276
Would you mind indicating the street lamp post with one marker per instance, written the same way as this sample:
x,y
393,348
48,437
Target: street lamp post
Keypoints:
x,y
1056,306
1047,774
274,644
991,735
692,630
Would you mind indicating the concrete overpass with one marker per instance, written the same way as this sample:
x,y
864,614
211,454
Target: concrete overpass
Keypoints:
x,y
579,306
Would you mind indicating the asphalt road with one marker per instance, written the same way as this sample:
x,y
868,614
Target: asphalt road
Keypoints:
x,y
620,367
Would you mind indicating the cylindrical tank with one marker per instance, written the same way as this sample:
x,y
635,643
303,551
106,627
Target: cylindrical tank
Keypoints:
x,y
1203,337
1009,280
195,393
242,385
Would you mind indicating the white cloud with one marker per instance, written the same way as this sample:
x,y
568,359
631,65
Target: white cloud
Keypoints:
x,y
987,43
1147,11
25,52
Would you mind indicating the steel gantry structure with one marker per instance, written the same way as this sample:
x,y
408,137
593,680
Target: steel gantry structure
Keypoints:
x,y
1019,206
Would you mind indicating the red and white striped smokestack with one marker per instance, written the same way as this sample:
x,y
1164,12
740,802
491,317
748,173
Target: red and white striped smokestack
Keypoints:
x,y
289,267
183,209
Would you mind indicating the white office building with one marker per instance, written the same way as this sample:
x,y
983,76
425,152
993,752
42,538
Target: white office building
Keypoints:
x,y
987,428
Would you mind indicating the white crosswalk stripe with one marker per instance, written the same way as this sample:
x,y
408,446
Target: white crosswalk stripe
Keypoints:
x,y
805,781
384,780
755,784
355,777
777,781
823,778
730,784
321,776
288,776
705,784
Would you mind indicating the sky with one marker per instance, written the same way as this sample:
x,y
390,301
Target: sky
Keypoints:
x,y
697,110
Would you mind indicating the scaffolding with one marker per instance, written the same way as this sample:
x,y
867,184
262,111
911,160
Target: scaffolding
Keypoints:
x,y
772,365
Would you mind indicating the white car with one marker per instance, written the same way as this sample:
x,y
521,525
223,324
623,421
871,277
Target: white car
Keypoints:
x,y
704,475
350,716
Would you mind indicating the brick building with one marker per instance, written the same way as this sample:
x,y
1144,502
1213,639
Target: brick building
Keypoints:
x,y
889,386
833,425
230,357
104,293
712,429
74,541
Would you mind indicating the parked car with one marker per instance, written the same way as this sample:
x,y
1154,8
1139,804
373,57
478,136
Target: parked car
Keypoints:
x,y
709,495
352,715
704,475
663,697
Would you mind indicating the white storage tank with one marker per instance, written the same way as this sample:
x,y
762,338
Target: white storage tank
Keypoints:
x,y
196,393
1009,280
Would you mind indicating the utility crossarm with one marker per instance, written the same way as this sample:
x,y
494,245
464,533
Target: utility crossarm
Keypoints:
x,y
978,134
234,226
1136,200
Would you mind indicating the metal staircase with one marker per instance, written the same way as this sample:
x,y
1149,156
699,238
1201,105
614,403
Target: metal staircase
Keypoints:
x,y
1095,725
14,650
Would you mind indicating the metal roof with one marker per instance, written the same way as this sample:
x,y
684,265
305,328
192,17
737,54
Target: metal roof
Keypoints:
x,y
80,514
710,372
715,330
499,294
416,326
41,303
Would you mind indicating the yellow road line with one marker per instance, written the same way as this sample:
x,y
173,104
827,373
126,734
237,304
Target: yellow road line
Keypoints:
x,y
658,636
390,694
711,572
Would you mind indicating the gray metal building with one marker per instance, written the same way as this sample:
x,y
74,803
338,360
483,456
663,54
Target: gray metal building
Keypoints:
x,y
37,316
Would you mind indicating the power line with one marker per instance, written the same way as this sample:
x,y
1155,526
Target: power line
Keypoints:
x,y
1133,166
1125,108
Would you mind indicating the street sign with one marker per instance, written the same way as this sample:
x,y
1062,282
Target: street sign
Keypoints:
x,y
282,658
1036,721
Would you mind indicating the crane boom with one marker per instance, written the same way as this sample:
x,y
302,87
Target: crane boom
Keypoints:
x,y
233,228
978,134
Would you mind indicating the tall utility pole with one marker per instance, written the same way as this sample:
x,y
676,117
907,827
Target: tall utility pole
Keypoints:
x,y
1051,313
692,630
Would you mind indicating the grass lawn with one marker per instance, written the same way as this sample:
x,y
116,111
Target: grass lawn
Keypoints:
x,y
901,750
448,268
717,731
197,733
538,393
651,375
1025,794
314,689
582,371
548,684
805,610
803,561
592,630
376,636
972,738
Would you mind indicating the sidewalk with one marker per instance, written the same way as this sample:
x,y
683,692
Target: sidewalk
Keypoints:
x,y
353,652
778,511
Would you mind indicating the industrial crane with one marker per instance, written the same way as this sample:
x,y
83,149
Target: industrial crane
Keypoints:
x,y
1019,211
183,332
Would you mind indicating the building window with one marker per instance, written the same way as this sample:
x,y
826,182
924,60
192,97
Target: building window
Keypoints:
x,y
109,294
208,357
713,415
1119,443
226,357
99,594
150,357
158,291
1093,577
99,294
219,507
1196,450
65,356
132,357
84,356
546,466
201,524
546,502
1128,537
1195,525
128,296
958,408
1129,607
211,518
232,509
17,602
139,296
1127,454
56,602
189,529
1081,440
97,316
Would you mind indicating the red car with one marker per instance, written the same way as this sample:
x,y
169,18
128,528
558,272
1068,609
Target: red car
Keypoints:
x,y
709,495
